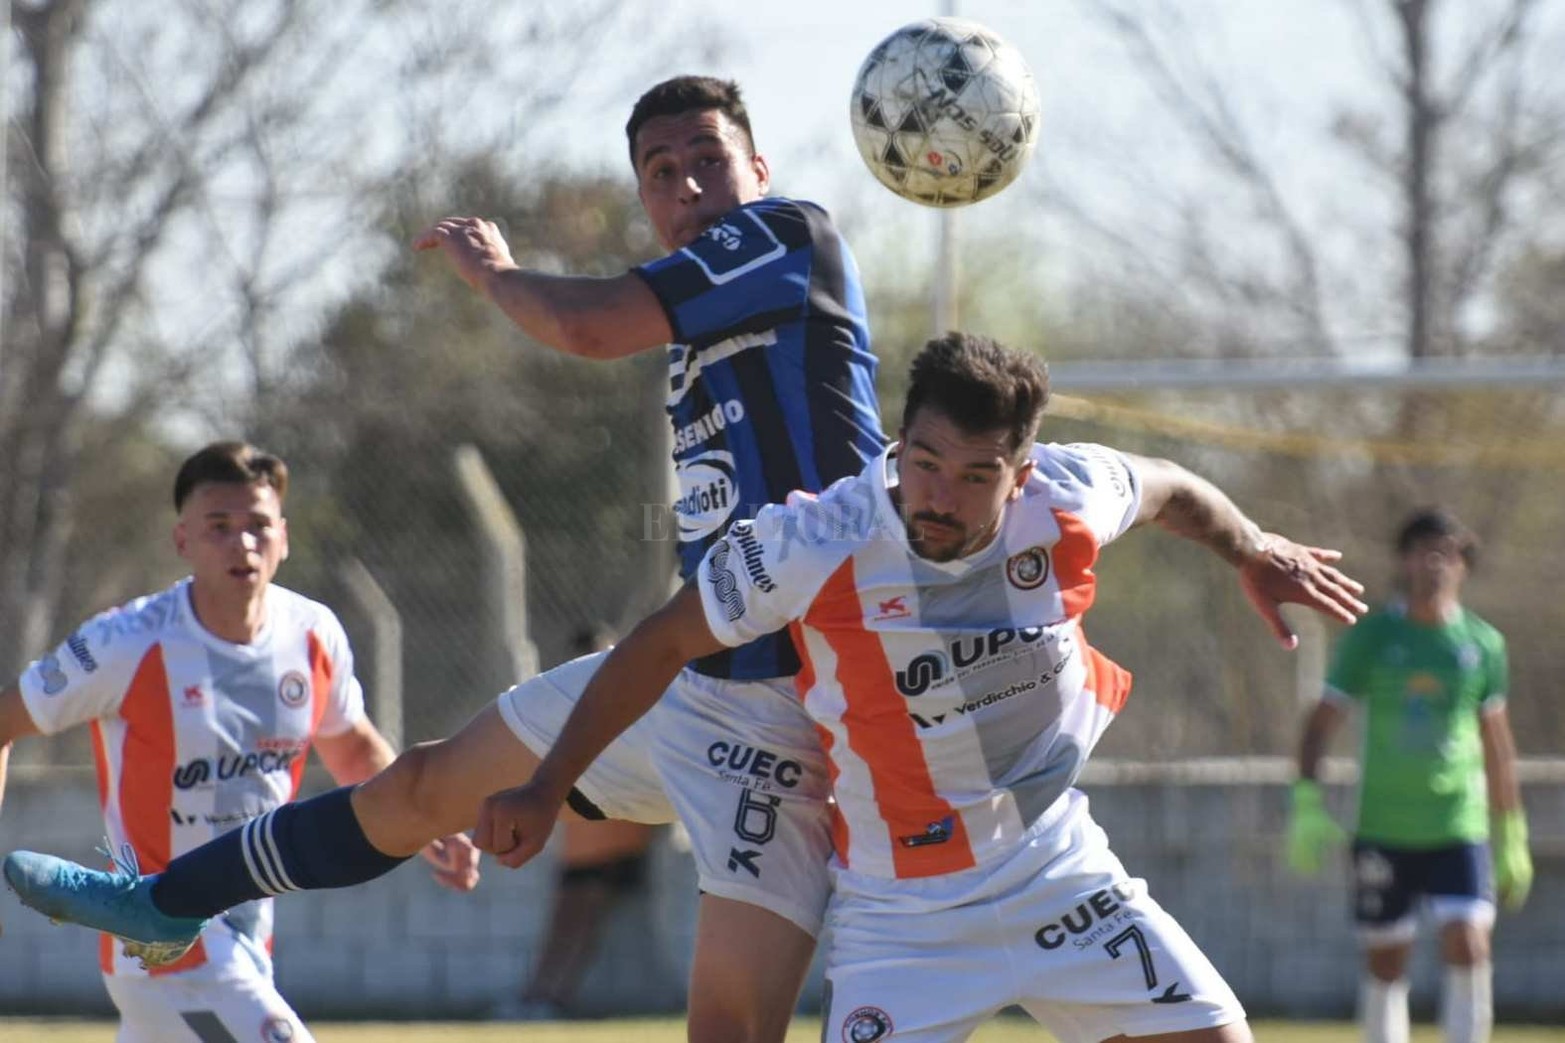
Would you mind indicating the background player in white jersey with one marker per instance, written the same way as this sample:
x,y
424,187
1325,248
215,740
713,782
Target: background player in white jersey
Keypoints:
x,y
204,700
936,600
771,388
1438,760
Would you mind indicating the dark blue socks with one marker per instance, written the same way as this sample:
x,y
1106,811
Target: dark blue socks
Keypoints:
x,y
314,844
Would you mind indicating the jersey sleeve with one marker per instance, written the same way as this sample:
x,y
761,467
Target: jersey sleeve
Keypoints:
x,y
1104,485
745,274
1347,680
345,699
88,675
762,574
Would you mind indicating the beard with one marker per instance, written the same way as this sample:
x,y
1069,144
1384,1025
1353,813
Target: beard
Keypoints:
x,y
937,537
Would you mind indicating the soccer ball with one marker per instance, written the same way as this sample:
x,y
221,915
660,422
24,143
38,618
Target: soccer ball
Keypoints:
x,y
945,113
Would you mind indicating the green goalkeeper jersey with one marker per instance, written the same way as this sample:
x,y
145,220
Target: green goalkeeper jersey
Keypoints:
x,y
1421,689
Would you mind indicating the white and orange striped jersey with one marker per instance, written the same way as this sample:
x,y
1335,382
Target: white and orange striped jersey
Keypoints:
x,y
957,701
193,735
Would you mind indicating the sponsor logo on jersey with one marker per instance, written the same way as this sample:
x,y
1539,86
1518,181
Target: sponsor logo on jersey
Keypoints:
x,y
1112,463
704,428
708,494
725,235
204,771
1091,920
724,586
1028,570
991,698
226,821
752,766
750,552
866,1025
193,696
892,608
293,689
934,833
77,643
53,678
732,248
964,656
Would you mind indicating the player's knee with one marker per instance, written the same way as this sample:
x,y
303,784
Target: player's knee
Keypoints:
x,y
412,783
1386,963
1464,944
720,1021
735,1013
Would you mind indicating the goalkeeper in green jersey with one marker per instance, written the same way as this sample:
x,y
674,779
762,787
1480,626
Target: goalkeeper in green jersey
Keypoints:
x,y
1428,679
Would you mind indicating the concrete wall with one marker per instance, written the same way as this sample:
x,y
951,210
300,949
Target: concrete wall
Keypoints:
x,y
1209,847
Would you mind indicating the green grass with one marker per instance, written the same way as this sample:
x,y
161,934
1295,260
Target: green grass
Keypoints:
x,y
665,1030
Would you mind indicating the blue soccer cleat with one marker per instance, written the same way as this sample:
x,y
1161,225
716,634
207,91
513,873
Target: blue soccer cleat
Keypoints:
x,y
118,903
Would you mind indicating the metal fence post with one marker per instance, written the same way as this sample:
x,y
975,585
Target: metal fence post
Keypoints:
x,y
385,667
505,567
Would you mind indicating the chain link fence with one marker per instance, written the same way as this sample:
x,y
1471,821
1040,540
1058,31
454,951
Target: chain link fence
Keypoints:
x,y
587,479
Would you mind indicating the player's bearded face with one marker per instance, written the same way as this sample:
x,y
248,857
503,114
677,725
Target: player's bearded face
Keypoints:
x,y
233,536
692,168
953,485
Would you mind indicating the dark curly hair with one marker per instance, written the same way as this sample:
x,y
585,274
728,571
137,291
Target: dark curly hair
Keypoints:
x,y
980,384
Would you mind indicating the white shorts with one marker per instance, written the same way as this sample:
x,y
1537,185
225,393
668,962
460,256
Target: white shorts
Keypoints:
x,y
183,1008
1059,929
737,762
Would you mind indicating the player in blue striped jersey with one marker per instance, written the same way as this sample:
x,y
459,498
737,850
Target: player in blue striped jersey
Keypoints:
x,y
771,383
771,389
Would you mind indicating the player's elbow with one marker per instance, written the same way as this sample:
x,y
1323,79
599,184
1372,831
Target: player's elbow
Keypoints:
x,y
583,333
679,630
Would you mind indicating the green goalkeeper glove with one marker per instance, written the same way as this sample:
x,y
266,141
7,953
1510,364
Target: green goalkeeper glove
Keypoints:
x,y
1512,862
1311,829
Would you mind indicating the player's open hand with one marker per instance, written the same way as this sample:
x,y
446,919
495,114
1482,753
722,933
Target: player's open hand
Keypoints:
x,y
455,859
1285,572
514,824
474,245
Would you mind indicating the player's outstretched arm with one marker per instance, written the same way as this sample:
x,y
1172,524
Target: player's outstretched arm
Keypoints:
x,y
1273,570
598,318
362,752
514,824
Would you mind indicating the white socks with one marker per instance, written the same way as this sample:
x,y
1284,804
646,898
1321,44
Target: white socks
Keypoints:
x,y
1466,1004
1384,1010
1466,1007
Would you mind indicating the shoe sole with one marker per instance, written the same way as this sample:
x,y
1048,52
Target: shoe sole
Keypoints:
x,y
156,954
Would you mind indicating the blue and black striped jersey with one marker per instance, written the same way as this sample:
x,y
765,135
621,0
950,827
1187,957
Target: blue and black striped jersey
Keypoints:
x,y
771,381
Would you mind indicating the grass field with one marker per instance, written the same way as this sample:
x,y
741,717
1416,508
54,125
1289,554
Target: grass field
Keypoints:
x,y
672,1031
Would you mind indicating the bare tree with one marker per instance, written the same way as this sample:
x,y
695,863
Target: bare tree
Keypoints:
x,y
1468,121
1422,218
188,182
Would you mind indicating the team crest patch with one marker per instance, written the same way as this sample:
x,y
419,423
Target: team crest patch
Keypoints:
x,y
866,1025
293,689
1029,569
277,1029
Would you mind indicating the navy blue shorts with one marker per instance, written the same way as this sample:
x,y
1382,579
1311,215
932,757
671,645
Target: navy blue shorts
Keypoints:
x,y
1389,882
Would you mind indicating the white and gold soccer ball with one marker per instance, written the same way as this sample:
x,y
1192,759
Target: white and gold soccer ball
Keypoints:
x,y
945,112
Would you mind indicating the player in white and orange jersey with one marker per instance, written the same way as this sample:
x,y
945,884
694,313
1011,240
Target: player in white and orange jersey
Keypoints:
x,y
771,388
204,700
936,601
